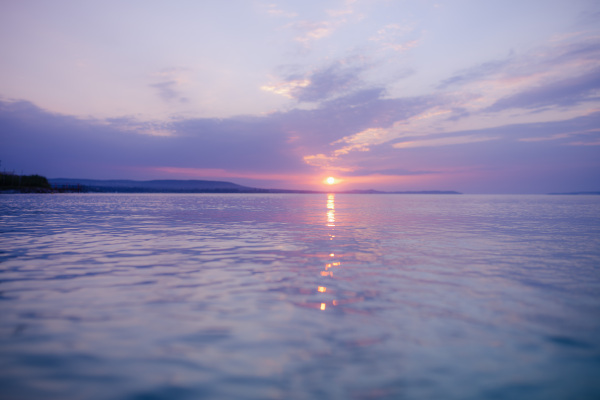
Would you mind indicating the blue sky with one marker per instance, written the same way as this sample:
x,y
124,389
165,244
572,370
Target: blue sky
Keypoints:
x,y
475,96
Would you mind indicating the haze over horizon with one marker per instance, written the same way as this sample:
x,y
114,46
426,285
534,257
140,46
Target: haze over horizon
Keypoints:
x,y
477,97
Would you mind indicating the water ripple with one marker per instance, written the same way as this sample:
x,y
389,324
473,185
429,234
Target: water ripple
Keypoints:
x,y
299,296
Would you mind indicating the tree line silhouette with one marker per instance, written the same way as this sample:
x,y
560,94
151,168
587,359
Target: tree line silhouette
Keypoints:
x,y
11,181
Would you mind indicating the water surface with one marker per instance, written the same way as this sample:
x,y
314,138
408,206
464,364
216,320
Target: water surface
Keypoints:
x,y
283,296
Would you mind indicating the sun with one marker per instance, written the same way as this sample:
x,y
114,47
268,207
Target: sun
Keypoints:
x,y
330,180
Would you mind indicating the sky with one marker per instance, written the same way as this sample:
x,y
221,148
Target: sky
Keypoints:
x,y
474,96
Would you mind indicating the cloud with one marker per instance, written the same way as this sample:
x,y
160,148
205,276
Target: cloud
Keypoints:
x,y
581,51
347,10
594,143
128,124
274,11
258,150
479,72
167,91
59,145
388,171
565,93
557,59
311,30
328,82
286,88
489,160
346,125
582,127
561,75
319,160
396,37
430,153
563,135
333,80
446,141
341,118
416,111
277,141
351,127
171,79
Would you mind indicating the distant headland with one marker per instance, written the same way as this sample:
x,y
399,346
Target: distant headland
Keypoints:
x,y
12,183
577,193
188,186
153,186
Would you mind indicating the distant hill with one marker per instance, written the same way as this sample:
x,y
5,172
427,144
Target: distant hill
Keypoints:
x,y
154,186
371,191
578,193
188,186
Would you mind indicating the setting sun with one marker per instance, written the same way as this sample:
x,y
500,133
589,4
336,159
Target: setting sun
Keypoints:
x,y
330,180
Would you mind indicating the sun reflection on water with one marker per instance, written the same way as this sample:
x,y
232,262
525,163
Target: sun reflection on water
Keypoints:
x,y
331,210
330,218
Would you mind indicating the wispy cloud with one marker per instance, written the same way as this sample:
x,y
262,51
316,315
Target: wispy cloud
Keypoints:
x,y
561,74
396,37
388,171
235,144
477,73
346,10
338,98
565,92
407,126
446,141
129,124
310,31
425,122
275,11
288,88
558,136
168,91
247,148
321,161
171,80
321,84
328,82
591,143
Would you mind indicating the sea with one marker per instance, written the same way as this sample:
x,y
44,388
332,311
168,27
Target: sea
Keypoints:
x,y
299,296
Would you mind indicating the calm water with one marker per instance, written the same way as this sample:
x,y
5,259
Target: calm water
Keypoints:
x,y
299,297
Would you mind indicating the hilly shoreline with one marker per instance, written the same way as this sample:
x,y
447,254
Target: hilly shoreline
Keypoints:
x,y
13,183
189,186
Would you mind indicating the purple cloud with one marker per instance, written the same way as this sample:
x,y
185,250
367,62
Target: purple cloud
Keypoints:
x,y
372,170
63,146
317,129
59,145
566,92
476,73
167,91
328,82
